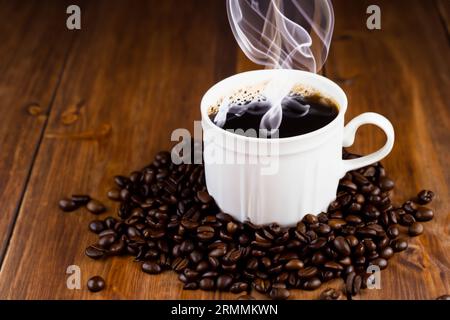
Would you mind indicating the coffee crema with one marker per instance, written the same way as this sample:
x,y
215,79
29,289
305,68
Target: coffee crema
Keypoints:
x,y
303,111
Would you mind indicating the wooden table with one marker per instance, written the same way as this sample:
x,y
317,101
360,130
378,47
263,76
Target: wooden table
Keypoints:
x,y
77,107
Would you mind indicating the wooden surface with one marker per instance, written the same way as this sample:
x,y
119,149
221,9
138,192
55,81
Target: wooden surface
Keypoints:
x,y
78,107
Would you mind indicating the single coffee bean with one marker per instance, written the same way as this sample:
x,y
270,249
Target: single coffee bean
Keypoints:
x,y
67,205
106,240
94,252
425,196
95,206
400,244
415,229
380,262
330,294
294,264
151,267
349,283
114,194
239,287
97,226
424,214
312,284
341,245
308,272
206,284
407,219
80,199
357,284
204,197
279,293
386,184
387,253
336,224
224,282
393,232
96,283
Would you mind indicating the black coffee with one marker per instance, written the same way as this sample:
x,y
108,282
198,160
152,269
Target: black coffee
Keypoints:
x,y
300,115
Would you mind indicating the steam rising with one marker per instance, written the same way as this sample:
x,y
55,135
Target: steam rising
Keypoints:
x,y
288,34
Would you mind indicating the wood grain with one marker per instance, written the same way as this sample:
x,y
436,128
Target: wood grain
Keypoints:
x,y
136,72
29,75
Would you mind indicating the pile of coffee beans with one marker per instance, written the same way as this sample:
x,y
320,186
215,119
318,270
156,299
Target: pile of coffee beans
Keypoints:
x,y
168,221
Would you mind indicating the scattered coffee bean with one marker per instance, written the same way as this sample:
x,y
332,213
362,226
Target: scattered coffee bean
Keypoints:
x,y
330,294
425,196
424,214
96,283
67,205
97,226
415,229
167,220
95,206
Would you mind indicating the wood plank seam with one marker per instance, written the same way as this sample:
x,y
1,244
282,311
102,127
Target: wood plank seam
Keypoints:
x,y
10,230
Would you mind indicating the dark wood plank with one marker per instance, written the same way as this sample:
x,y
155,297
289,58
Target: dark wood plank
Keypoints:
x,y
401,71
136,72
34,43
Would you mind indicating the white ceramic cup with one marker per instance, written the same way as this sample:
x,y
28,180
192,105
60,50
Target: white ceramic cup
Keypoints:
x,y
306,168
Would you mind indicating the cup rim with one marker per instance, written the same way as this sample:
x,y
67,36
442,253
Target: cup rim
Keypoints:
x,y
342,107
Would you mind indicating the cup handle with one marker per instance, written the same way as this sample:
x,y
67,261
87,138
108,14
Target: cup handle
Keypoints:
x,y
349,138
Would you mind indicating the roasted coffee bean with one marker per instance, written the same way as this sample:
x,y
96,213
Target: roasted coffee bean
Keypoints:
x,y
370,211
224,282
444,297
400,244
386,184
97,226
336,223
204,197
334,266
95,206
94,252
312,284
425,196
67,205
308,272
151,267
106,240
239,287
356,284
279,293
424,214
294,264
380,262
349,283
407,219
341,245
114,194
206,284
330,294
415,229
96,283
80,199
352,240
393,232
387,253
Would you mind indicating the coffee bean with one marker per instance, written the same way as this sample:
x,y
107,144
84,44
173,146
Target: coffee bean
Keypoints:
x,y
97,226
308,272
279,293
330,294
206,284
387,253
415,229
349,283
67,205
96,283
95,206
332,265
94,252
151,267
386,184
392,232
341,245
424,214
106,240
336,223
356,284
80,199
425,196
380,262
204,197
114,194
294,264
312,284
400,244
444,297
224,282
407,219
239,287
370,211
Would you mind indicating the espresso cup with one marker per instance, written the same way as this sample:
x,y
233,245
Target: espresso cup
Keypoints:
x,y
280,180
